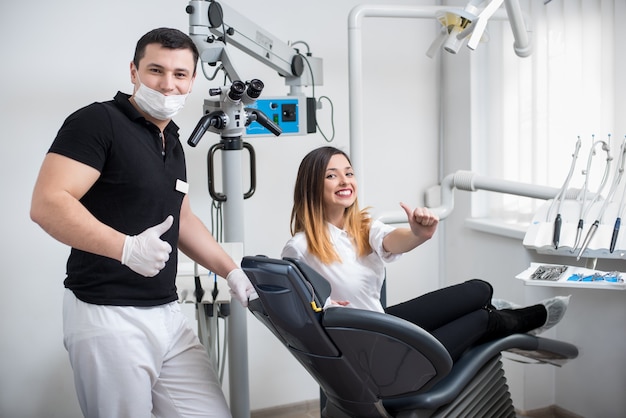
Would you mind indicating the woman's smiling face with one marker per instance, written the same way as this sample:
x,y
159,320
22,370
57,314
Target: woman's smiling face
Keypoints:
x,y
340,187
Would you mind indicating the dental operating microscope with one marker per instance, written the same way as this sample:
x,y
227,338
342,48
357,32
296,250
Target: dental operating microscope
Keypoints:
x,y
230,112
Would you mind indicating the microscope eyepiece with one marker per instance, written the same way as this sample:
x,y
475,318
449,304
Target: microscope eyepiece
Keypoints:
x,y
236,90
255,87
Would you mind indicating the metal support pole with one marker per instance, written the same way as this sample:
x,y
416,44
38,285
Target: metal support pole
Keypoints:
x,y
237,326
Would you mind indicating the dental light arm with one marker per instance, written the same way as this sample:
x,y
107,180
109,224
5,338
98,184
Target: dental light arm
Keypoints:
x,y
361,12
522,44
515,16
481,23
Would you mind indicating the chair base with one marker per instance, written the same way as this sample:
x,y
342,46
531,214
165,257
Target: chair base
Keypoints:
x,y
486,395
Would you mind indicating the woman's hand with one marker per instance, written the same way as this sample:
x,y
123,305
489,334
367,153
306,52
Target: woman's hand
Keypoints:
x,y
330,303
422,221
423,224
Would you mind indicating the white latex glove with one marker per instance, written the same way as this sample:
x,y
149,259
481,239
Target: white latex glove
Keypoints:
x,y
240,286
147,253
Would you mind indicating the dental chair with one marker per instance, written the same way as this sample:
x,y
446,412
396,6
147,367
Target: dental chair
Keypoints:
x,y
370,364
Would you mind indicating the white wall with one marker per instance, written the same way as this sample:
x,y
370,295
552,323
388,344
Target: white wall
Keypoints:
x,y
59,56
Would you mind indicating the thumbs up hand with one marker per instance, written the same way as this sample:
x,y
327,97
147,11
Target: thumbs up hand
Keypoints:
x,y
147,253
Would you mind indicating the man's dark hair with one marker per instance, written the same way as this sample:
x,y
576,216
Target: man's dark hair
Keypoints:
x,y
167,38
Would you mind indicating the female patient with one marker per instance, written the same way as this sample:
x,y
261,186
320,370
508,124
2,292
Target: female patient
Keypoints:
x,y
342,243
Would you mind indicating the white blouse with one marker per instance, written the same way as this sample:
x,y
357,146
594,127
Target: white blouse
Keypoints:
x,y
357,280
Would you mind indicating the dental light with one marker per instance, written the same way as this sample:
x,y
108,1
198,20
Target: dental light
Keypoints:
x,y
468,25
454,26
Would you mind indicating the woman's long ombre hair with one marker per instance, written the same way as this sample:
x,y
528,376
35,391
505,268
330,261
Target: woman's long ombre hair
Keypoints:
x,y
308,215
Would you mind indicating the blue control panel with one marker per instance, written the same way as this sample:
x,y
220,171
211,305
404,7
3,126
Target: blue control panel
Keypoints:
x,y
283,111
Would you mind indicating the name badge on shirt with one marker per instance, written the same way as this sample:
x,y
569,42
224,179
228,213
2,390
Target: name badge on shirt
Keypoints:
x,y
182,187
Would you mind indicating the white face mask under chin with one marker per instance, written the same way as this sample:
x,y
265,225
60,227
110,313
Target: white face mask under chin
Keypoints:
x,y
158,105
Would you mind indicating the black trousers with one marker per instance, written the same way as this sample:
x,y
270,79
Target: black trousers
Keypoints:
x,y
458,316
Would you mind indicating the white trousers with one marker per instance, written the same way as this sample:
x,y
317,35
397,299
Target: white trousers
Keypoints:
x,y
137,362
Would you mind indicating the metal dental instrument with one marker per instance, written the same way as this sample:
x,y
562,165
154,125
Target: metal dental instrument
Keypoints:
x,y
561,196
618,219
616,180
584,208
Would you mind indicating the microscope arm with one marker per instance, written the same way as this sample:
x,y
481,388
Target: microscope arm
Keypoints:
x,y
231,28
213,51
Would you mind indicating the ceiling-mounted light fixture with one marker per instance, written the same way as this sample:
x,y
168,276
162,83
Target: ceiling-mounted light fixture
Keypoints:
x,y
453,23
459,26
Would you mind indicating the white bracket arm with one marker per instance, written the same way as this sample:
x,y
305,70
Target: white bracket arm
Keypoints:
x,y
469,181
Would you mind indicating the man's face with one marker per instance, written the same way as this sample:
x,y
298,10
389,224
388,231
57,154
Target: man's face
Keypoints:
x,y
168,71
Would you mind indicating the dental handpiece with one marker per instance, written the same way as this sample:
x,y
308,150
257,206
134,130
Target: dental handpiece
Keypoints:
x,y
583,212
618,221
588,238
557,231
556,236
616,181
579,232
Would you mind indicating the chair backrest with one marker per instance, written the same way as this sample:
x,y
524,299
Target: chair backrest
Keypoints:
x,y
357,357
287,305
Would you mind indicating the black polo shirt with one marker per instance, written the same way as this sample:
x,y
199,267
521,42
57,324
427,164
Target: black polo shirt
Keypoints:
x,y
136,190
